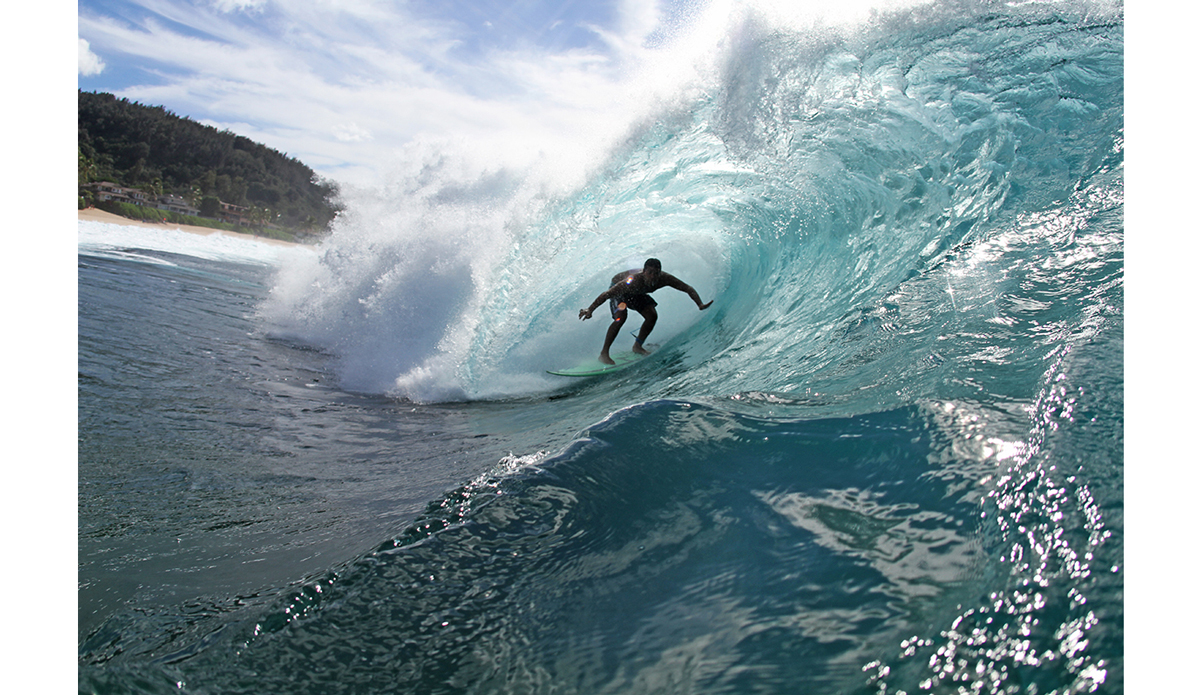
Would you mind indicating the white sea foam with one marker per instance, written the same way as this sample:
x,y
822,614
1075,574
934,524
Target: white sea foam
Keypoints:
x,y
129,241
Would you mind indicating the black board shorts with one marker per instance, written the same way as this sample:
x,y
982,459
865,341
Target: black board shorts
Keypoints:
x,y
619,306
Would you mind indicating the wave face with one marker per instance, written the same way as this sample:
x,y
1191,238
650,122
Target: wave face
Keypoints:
x,y
824,186
888,459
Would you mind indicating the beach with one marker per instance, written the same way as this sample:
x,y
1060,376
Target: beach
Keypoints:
x,y
95,215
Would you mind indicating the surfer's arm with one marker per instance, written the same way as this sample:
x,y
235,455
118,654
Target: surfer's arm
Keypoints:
x,y
682,286
585,314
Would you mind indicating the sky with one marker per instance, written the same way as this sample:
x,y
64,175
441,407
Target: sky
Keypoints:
x,y
344,85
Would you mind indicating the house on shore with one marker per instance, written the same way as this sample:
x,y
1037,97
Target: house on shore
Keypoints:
x,y
229,213
107,190
234,214
176,203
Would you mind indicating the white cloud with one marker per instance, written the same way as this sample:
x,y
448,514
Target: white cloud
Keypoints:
x,y
235,5
89,63
344,86
351,132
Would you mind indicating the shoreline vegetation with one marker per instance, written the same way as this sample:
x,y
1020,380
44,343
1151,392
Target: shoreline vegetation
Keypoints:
x,y
147,164
141,213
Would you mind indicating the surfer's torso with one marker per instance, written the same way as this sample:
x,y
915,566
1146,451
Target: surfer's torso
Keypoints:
x,y
635,282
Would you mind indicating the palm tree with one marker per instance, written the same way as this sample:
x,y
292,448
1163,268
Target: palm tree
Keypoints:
x,y
87,168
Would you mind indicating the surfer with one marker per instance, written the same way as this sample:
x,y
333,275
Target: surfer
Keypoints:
x,y
631,290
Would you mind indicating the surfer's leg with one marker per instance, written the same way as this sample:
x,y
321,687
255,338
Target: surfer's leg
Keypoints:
x,y
614,330
619,313
651,317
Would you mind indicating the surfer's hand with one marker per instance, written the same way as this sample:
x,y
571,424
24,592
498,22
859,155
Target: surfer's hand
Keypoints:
x,y
705,306
585,314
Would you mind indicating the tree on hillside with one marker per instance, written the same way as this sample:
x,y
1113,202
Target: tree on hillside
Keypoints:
x,y
210,206
149,147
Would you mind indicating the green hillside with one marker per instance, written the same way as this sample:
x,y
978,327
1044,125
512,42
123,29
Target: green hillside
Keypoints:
x,y
152,149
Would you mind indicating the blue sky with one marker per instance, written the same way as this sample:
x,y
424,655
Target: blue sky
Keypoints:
x,y
344,84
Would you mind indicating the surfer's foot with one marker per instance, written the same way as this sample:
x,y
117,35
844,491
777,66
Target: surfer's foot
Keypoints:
x,y
640,350
605,359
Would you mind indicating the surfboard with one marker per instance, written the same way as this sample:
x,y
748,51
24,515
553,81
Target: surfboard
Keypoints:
x,y
594,367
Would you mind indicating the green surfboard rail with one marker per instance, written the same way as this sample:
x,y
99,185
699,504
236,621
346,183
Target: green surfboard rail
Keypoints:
x,y
594,367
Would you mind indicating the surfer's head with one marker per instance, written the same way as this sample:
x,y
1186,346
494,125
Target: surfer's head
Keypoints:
x,y
652,269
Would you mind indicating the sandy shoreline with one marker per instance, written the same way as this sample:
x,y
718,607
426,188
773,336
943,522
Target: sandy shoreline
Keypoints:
x,y
94,215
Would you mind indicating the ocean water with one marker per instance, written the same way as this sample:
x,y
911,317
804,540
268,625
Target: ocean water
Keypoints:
x,y
888,459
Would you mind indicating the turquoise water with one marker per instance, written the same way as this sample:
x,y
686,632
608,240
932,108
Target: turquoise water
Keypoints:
x,y
888,459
